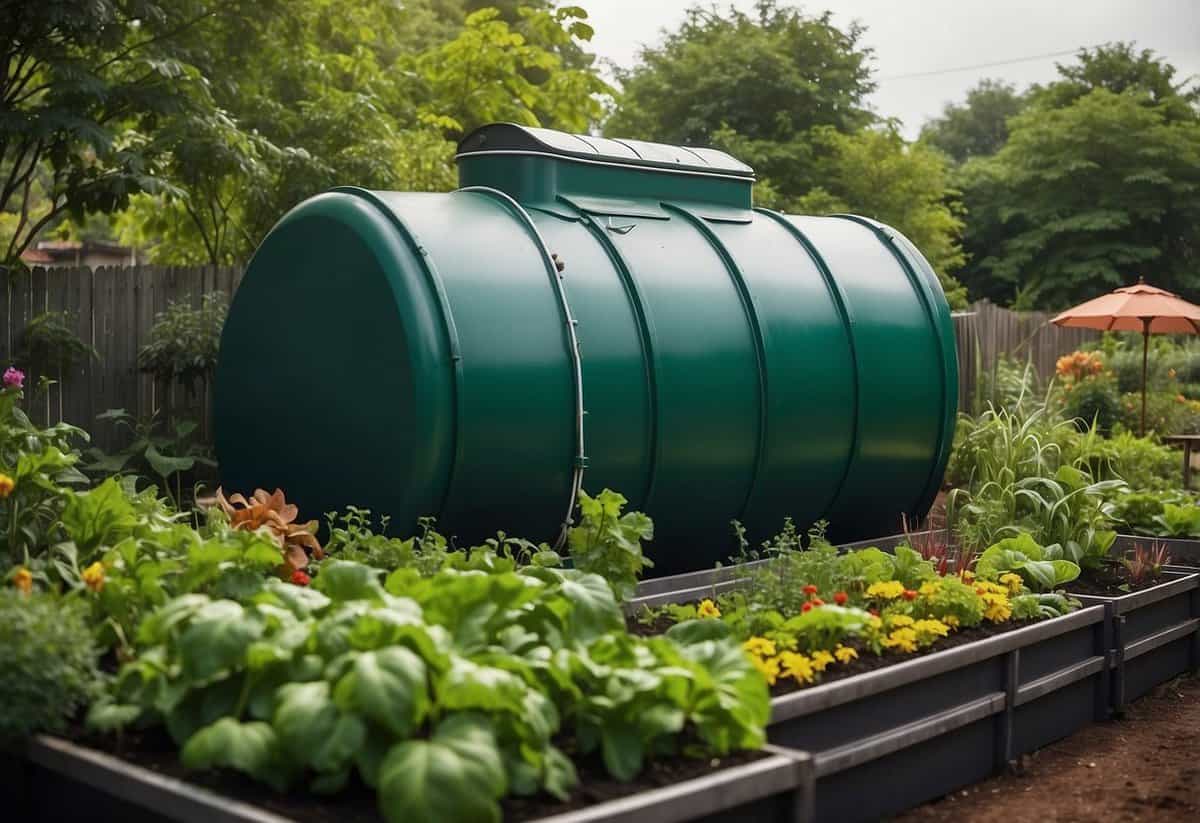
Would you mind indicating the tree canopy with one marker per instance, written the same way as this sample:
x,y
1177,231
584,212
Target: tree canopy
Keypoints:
x,y
1097,184
977,127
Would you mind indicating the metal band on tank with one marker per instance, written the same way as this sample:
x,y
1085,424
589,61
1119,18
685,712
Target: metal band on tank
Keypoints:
x,y
917,282
646,332
843,307
434,279
576,363
756,329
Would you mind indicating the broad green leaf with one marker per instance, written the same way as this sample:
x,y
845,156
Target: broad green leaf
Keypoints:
x,y
251,748
98,518
622,750
313,730
457,775
343,581
388,687
216,640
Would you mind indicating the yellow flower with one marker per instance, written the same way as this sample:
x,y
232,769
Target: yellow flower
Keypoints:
x,y
930,630
798,667
996,607
7,484
983,587
898,621
93,576
1013,581
769,666
23,580
930,588
887,589
759,646
873,621
904,640
845,654
707,608
951,621
821,660
968,575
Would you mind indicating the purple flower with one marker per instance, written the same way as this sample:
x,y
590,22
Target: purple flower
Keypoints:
x,y
14,378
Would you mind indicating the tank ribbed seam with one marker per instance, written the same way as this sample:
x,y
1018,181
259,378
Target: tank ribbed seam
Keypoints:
x,y
580,461
649,364
434,279
843,307
929,492
760,343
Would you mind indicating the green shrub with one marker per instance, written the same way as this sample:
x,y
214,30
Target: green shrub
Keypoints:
x,y
1165,413
49,663
1092,401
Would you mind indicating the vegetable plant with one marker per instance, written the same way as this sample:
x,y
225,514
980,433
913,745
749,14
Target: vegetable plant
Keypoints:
x,y
443,692
609,543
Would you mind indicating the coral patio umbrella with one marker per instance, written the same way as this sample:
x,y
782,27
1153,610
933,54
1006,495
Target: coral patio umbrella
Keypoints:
x,y
1139,307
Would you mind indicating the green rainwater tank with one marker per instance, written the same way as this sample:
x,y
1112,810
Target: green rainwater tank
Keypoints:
x,y
611,313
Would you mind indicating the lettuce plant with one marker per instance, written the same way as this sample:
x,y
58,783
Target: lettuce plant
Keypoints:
x,y
443,692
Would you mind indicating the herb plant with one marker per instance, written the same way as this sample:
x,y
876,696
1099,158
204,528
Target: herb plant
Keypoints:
x,y
609,543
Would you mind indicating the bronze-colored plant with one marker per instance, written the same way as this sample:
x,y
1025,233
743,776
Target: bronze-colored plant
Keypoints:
x,y
295,540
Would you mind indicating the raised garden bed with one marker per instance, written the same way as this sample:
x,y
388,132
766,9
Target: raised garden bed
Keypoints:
x,y
681,588
1155,634
66,781
925,727
1183,552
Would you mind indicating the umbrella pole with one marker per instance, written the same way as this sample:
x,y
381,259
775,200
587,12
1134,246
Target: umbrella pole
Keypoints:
x,y
1145,358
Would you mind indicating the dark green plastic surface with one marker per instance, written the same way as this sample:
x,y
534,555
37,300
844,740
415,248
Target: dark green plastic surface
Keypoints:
x,y
411,352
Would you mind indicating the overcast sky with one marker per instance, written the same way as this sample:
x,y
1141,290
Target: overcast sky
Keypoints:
x,y
915,36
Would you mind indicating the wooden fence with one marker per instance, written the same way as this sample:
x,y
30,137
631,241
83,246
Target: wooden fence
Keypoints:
x,y
113,308
110,309
986,332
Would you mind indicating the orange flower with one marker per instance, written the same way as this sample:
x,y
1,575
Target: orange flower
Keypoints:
x,y
93,576
23,580
7,484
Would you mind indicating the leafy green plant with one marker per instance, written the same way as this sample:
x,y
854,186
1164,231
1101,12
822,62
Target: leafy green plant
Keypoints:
x,y
1092,403
1179,520
40,464
49,670
609,543
154,453
1042,568
184,341
50,343
443,692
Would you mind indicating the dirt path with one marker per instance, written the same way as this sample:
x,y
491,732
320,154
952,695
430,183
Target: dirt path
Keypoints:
x,y
1145,767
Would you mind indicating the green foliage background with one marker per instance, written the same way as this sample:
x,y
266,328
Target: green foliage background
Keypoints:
x,y
187,128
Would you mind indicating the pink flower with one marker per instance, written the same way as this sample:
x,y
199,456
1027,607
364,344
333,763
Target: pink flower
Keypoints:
x,y
14,378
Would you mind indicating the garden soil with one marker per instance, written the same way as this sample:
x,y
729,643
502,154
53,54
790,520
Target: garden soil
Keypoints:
x,y
1143,767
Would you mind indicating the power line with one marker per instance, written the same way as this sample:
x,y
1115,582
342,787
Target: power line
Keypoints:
x,y
985,65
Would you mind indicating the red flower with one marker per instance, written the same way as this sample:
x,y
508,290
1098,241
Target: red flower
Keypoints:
x,y
816,601
840,598
300,578
810,590
807,607
909,594
874,612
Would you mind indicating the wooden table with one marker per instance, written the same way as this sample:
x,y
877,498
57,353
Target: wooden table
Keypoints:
x,y
1187,441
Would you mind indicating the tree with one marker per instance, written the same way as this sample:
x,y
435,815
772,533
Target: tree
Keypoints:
x,y
874,172
369,93
84,86
752,84
1088,197
1120,68
978,126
